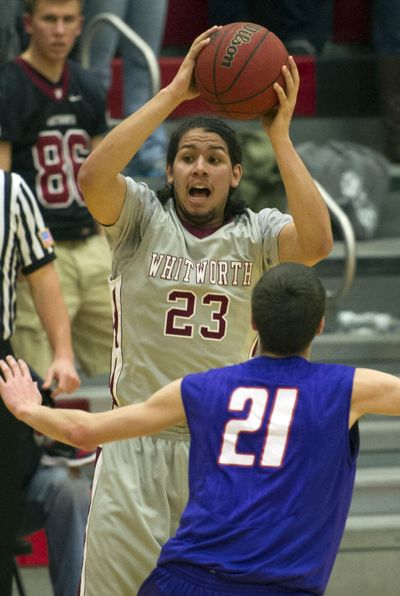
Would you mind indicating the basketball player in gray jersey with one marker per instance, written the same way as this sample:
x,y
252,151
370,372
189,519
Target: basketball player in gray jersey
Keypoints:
x,y
183,268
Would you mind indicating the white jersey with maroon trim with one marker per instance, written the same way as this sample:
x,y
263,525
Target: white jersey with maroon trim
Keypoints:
x,y
182,303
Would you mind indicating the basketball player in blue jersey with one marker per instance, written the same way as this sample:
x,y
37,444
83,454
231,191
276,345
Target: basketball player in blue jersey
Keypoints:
x,y
274,442
51,115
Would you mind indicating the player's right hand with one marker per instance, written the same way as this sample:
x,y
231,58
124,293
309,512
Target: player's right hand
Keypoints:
x,y
19,392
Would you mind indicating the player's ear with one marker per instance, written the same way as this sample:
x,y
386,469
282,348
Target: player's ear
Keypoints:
x,y
27,21
321,326
80,24
170,177
253,325
236,175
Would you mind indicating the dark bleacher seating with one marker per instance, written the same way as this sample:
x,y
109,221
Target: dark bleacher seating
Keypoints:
x,y
330,86
352,21
306,104
185,20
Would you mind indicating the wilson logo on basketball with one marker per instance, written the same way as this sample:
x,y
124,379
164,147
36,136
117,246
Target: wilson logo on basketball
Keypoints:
x,y
242,36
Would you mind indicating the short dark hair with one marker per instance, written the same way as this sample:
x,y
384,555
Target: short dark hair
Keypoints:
x,y
227,133
288,304
30,5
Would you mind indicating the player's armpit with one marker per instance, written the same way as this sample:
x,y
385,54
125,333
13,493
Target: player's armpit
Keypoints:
x,y
374,392
165,407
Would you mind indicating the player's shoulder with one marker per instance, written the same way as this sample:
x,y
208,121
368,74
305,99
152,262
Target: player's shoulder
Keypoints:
x,y
252,218
337,376
9,67
11,77
18,95
84,80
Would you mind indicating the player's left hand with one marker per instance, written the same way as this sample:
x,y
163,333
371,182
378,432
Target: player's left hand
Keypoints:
x,y
277,122
17,388
63,373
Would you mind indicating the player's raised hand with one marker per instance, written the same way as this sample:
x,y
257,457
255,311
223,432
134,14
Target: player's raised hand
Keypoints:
x,y
63,373
277,122
18,391
183,84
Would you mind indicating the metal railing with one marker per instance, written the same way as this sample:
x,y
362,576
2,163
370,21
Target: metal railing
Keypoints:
x,y
107,18
349,244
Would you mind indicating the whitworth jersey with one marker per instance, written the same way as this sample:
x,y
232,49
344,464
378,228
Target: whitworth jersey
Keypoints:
x,y
186,300
271,485
50,127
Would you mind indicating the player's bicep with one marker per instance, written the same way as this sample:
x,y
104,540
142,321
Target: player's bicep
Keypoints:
x,y
162,410
165,407
374,392
289,247
104,202
5,155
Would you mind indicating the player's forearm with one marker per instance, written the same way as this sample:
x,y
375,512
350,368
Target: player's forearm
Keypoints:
x,y
78,428
84,429
306,205
69,426
88,430
100,181
118,147
121,144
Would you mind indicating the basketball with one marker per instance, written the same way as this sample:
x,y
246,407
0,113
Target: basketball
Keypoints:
x,y
236,71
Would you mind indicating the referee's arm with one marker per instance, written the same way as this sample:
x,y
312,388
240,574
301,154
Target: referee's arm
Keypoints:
x,y
50,306
36,255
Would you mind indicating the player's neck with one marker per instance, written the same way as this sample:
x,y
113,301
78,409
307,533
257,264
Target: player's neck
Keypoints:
x,y
306,354
50,69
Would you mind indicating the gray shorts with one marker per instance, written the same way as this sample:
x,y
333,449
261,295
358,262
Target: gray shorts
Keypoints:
x,y
140,490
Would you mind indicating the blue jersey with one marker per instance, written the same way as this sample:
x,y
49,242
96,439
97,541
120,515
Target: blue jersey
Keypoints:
x,y
271,472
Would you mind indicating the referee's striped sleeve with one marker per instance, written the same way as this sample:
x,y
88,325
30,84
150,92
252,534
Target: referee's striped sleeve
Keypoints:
x,y
31,229
21,227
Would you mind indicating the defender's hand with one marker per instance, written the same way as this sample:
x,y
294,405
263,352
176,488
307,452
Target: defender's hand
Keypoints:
x,y
17,389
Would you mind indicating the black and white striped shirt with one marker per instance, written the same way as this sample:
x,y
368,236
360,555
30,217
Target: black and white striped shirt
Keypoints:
x,y
25,243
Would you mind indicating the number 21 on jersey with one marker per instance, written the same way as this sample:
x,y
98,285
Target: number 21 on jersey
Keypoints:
x,y
277,428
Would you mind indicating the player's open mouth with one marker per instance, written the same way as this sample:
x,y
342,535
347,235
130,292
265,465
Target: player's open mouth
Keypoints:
x,y
199,192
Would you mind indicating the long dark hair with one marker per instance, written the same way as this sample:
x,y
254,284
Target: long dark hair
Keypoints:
x,y
219,127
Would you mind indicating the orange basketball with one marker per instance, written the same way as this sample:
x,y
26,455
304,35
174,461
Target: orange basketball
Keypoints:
x,y
236,71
